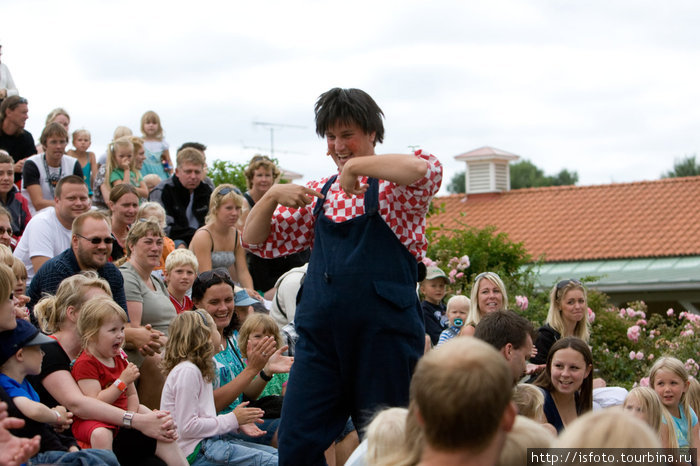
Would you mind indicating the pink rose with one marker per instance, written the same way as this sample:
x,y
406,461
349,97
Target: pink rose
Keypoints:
x,y
669,312
591,315
641,322
633,332
632,355
522,302
644,382
429,262
639,355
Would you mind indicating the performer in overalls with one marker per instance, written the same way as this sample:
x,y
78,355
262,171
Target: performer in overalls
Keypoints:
x,y
359,321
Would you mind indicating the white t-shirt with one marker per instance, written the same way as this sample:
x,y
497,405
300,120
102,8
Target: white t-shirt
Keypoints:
x,y
36,166
44,236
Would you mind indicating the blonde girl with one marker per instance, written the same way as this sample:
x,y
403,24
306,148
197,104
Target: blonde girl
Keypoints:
x,y
81,142
567,317
669,379
136,166
188,394
157,150
103,372
256,327
488,295
119,155
644,403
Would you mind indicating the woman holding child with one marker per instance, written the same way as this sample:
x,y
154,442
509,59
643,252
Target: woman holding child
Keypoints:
x,y
58,317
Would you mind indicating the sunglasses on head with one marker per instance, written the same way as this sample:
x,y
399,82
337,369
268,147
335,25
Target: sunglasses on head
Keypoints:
x,y
484,275
564,283
226,191
220,274
97,240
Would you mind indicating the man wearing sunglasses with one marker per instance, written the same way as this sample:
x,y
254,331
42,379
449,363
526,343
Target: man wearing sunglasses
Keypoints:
x,y
359,321
90,247
48,233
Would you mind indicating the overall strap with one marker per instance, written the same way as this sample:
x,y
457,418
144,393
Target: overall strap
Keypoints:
x,y
372,197
324,191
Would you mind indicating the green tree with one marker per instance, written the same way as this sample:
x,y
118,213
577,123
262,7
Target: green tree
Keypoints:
x,y
457,184
523,174
224,171
487,251
686,166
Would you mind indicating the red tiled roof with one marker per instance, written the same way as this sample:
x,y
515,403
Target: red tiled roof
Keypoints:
x,y
573,223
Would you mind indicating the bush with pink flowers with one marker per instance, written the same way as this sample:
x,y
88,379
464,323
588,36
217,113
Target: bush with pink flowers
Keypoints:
x,y
627,341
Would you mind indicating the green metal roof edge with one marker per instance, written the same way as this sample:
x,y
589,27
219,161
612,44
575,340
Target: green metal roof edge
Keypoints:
x,y
667,273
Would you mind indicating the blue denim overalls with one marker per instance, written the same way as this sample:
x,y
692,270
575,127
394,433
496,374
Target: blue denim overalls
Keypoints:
x,y
360,331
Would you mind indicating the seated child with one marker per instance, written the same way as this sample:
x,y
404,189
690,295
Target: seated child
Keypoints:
x,y
21,355
644,403
255,328
668,377
103,372
384,435
530,403
20,291
457,311
188,395
180,271
152,180
526,433
433,291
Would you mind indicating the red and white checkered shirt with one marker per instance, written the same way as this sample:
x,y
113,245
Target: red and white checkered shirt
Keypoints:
x,y
403,208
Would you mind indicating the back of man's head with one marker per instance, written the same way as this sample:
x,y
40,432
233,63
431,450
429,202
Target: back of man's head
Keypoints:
x,y
502,327
461,391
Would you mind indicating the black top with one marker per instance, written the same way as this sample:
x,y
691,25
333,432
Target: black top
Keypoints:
x,y
431,316
546,336
19,146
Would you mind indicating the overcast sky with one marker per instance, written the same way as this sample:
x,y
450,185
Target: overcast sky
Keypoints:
x,y
607,88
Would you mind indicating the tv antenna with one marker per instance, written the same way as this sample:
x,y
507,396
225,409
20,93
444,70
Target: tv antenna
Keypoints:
x,y
272,127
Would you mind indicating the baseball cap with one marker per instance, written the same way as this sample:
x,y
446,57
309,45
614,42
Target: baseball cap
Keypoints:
x,y
25,334
435,272
242,298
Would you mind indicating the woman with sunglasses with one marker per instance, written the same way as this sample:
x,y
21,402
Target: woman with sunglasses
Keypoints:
x,y
147,301
217,244
124,204
567,317
214,292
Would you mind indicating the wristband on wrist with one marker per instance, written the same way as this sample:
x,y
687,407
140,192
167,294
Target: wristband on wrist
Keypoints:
x,y
264,376
127,418
120,384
